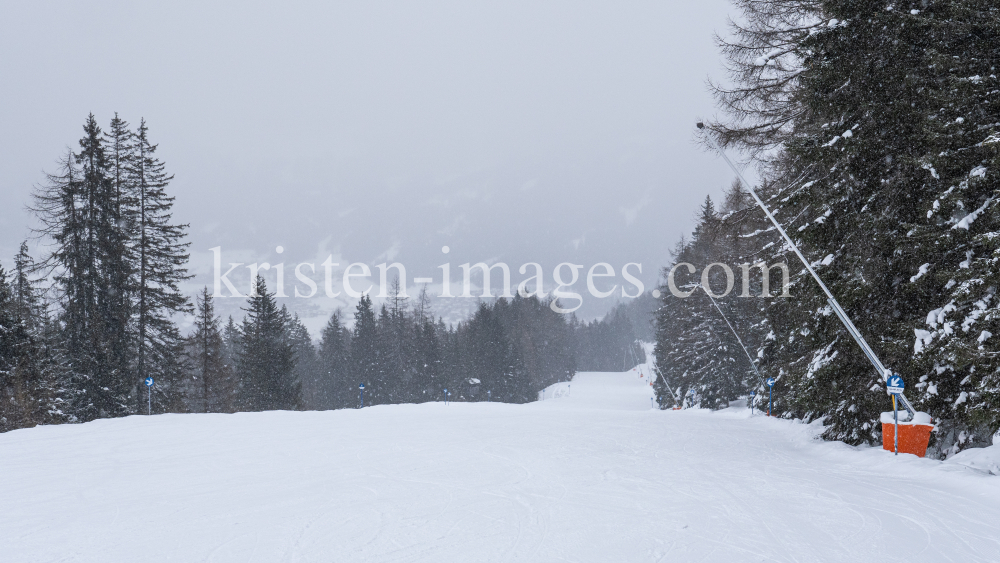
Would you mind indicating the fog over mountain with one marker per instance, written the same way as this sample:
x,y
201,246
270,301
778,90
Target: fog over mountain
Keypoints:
x,y
382,131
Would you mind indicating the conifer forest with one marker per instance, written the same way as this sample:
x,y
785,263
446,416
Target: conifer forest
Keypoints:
x,y
446,281
85,325
876,140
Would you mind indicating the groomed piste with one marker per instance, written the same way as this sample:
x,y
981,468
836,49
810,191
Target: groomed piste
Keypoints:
x,y
591,473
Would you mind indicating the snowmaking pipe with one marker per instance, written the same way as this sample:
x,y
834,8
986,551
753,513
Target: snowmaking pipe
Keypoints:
x,y
738,339
677,398
830,299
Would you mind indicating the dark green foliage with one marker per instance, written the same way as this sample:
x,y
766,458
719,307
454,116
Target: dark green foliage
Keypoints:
x,y
365,353
614,343
303,351
116,260
695,348
874,128
24,398
265,364
330,385
211,385
160,257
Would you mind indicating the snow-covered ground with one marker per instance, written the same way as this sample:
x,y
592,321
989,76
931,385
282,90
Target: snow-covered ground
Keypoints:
x,y
591,473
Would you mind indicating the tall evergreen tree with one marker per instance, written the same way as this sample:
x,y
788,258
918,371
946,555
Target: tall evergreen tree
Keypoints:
x,y
333,388
77,210
21,378
364,347
304,352
427,379
214,388
266,363
872,128
160,257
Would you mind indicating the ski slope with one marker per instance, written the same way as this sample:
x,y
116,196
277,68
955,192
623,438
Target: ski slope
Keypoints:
x,y
591,473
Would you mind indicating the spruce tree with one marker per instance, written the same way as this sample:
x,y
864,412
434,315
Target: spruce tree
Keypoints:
x,y
427,351
160,255
306,369
953,250
77,210
21,378
214,379
266,364
364,348
333,388
870,125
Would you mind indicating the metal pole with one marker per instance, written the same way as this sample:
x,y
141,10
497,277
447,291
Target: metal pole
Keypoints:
x,y
895,427
738,339
673,394
149,407
770,394
851,329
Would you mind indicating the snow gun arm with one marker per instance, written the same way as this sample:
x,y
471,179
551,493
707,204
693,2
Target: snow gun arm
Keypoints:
x,y
882,371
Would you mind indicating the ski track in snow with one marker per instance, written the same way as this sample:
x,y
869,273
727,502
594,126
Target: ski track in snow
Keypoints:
x,y
589,474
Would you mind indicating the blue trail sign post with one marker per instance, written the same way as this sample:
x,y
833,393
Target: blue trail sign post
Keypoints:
x,y
149,387
361,395
770,394
894,386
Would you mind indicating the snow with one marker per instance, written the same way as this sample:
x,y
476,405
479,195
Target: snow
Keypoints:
x,y
981,459
966,222
920,418
591,475
920,273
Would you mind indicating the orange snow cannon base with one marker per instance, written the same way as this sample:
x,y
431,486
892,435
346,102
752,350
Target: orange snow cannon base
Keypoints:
x,y
913,434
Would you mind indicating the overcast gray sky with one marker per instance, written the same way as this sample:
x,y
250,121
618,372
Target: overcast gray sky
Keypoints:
x,y
510,131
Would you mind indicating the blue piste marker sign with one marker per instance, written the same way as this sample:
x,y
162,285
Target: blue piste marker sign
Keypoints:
x,y
894,385
149,382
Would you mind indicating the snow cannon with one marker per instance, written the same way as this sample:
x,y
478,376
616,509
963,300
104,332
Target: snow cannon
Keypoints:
x,y
914,434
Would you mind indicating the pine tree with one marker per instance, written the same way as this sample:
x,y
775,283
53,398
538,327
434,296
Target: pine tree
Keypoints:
x,y
27,297
77,209
20,369
427,380
333,388
426,383
871,128
266,364
306,365
214,380
160,255
401,354
232,341
492,360
954,250
388,371
364,348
